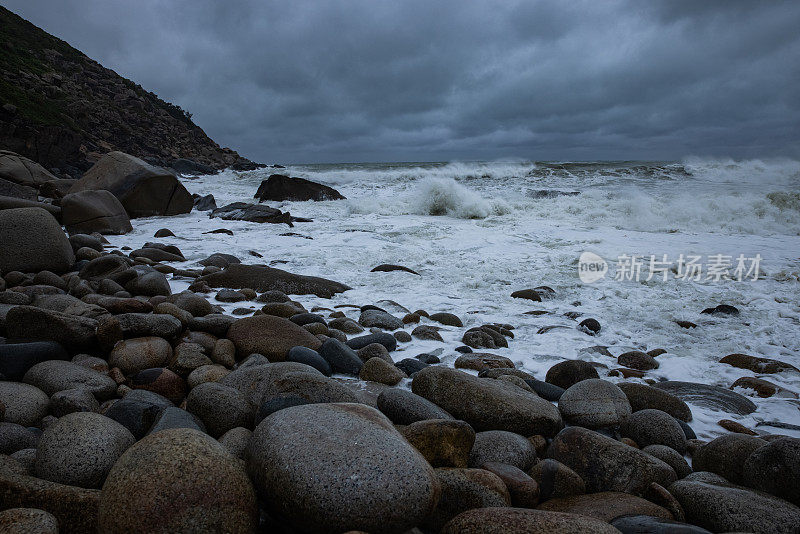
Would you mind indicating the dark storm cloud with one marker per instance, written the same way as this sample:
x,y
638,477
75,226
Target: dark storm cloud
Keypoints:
x,y
424,80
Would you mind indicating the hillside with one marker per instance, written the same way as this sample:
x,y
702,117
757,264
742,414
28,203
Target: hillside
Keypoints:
x,y
64,110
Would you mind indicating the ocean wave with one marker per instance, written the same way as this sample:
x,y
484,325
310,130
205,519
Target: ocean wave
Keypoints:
x,y
758,172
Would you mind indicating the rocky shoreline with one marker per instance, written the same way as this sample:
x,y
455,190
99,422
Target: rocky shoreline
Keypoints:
x,y
128,406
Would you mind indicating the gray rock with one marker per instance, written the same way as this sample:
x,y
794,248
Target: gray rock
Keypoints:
x,y
30,323
594,403
220,407
256,379
523,521
138,411
263,278
295,458
654,427
726,456
80,449
381,371
33,241
149,324
556,480
94,211
180,476
236,440
775,468
341,358
502,447
173,417
714,397
14,437
56,375
404,407
671,457
135,354
493,405
721,507
569,372
24,404
645,524
310,357
73,400
465,489
28,521
17,358
606,464
384,338
643,397
379,319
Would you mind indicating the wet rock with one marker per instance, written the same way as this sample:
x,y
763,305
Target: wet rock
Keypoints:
x,y
206,373
402,336
480,361
448,319
177,480
654,427
294,457
594,403
188,357
281,187
14,437
161,381
757,365
465,489
235,441
384,338
387,268
379,319
341,357
269,335
722,310
762,388
379,370
643,397
714,397
606,506
712,503
33,241
427,332
30,323
493,405
17,358
556,479
139,325
527,294
590,326
309,357
263,278
172,417
637,360
80,449
404,407
524,491
494,520
726,456
569,372
502,447
606,464
205,203
56,375
137,411
136,354
411,366
375,350
443,442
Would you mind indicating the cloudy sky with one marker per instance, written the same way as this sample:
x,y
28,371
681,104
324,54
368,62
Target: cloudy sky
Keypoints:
x,y
426,80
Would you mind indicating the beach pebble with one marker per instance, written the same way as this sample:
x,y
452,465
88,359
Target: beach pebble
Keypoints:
x,y
309,357
161,381
56,375
481,360
637,360
28,521
379,319
654,427
220,407
502,447
24,404
671,457
594,403
379,370
14,437
270,336
341,358
643,397
523,521
569,372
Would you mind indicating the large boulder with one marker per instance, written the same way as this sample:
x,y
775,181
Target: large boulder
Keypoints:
x,y
21,170
708,396
56,375
242,211
606,464
643,397
29,323
378,483
494,520
594,403
177,480
281,187
80,449
94,211
713,503
606,506
143,189
23,404
727,455
14,190
264,278
775,468
269,335
33,241
493,404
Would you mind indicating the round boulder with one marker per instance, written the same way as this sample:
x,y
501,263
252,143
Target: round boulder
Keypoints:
x,y
569,372
33,241
594,403
379,483
654,427
177,480
80,449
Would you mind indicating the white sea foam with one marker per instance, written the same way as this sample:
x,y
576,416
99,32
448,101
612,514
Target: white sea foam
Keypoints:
x,y
470,266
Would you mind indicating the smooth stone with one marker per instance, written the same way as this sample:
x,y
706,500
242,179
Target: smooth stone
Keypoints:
x,y
294,457
55,375
404,407
309,357
173,417
14,437
72,400
269,335
605,506
493,405
443,442
502,447
379,319
637,360
235,441
220,407
384,338
28,521
448,319
17,358
713,397
465,489
381,371
80,449
608,465
570,372
556,479
138,411
341,358
643,397
136,354
671,457
24,404
594,403
177,480
645,524
493,520
727,455
33,241
654,427
775,468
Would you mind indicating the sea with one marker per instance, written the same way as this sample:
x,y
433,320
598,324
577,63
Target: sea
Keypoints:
x,y
635,245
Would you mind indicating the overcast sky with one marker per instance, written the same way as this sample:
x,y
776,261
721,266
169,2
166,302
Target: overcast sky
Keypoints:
x,y
425,80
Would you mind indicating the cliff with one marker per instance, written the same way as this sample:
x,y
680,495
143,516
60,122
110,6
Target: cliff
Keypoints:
x,y
65,110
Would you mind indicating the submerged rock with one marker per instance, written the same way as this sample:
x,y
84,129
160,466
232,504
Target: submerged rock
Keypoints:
x,y
263,278
282,187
